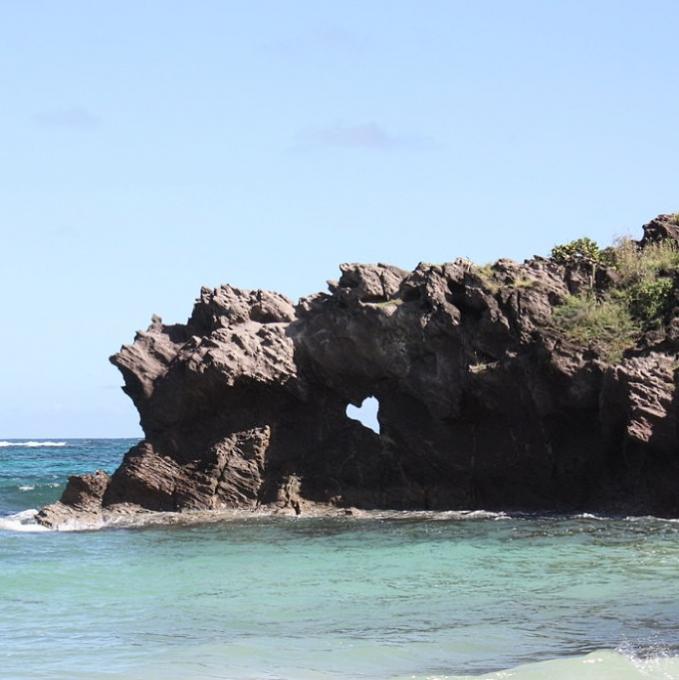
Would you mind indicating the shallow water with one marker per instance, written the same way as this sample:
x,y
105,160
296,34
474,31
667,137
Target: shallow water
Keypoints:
x,y
443,595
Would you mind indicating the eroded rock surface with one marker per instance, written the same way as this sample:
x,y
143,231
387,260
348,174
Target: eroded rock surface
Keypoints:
x,y
482,403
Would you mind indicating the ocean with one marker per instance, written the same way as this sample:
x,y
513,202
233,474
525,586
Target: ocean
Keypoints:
x,y
376,597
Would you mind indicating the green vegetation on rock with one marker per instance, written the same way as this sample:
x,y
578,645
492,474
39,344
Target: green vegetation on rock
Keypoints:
x,y
581,251
638,295
606,324
493,284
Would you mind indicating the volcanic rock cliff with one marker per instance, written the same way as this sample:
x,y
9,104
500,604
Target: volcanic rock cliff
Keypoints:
x,y
483,401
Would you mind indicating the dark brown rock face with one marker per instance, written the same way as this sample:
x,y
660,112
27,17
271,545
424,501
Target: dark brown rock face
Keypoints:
x,y
482,403
81,501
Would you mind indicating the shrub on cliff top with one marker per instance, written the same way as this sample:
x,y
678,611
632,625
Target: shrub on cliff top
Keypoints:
x,y
646,278
604,324
582,251
643,293
649,300
635,264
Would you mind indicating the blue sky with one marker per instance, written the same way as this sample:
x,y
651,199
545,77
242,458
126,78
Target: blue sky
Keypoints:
x,y
148,148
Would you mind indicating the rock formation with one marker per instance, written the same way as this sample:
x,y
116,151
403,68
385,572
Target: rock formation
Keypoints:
x,y
483,403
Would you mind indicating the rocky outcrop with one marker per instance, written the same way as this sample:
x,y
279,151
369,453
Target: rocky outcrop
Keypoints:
x,y
483,404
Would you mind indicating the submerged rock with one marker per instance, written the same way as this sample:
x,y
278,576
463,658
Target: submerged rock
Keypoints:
x,y
483,403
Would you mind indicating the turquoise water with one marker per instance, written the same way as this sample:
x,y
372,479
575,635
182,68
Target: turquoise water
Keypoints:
x,y
398,596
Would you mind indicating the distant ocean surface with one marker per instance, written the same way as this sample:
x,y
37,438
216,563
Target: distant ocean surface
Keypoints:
x,y
391,596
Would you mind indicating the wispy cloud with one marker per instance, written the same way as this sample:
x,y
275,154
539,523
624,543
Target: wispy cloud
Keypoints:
x,y
76,118
369,136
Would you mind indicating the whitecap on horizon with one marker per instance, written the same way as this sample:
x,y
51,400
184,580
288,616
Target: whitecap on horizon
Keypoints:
x,y
31,444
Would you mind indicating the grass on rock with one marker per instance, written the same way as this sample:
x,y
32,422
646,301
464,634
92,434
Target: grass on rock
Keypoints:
x,y
639,298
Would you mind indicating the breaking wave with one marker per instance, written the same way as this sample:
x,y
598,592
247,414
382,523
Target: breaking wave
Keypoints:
x,y
31,444
33,487
598,665
23,521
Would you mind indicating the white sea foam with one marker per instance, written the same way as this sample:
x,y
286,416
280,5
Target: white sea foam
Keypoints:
x,y
128,517
21,521
435,515
26,487
599,665
124,516
31,444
